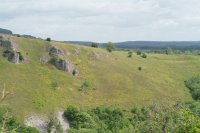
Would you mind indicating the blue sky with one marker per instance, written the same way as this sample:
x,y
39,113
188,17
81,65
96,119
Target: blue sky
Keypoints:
x,y
103,20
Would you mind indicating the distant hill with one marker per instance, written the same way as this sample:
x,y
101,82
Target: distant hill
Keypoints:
x,y
5,31
149,45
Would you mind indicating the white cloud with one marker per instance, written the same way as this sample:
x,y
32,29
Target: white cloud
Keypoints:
x,y
103,20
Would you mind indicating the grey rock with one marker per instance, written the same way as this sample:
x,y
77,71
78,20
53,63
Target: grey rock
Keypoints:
x,y
57,55
12,57
10,53
15,58
6,44
64,66
54,51
44,59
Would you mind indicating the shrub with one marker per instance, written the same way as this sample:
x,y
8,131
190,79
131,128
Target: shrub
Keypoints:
x,y
193,85
11,125
110,47
95,45
139,52
144,56
85,86
55,85
168,51
77,118
53,60
54,124
7,53
139,68
130,54
48,39
21,58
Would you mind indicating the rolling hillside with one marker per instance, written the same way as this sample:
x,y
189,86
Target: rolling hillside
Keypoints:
x,y
113,78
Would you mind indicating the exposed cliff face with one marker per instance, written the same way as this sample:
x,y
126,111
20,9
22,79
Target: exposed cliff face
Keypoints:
x,y
64,66
9,51
61,64
5,44
54,51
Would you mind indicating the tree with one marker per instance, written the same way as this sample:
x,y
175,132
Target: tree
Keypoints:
x,y
139,52
110,46
130,54
95,45
48,39
168,51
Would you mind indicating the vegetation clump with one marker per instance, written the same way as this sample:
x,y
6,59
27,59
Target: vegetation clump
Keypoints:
x,y
54,125
9,124
21,58
144,55
10,54
178,118
110,47
139,68
139,52
130,54
194,86
95,45
48,39
85,86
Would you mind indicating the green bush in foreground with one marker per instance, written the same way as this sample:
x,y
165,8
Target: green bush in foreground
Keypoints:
x,y
9,124
194,86
179,118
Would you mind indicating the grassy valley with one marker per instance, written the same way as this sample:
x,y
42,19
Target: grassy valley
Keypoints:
x,y
113,77
105,79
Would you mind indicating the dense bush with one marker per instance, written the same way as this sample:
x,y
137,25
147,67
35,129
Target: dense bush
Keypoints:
x,y
48,39
95,45
194,86
180,118
109,119
78,118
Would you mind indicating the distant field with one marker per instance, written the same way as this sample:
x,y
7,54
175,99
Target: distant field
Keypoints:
x,y
114,79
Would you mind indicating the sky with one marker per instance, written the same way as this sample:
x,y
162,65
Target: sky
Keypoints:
x,y
103,20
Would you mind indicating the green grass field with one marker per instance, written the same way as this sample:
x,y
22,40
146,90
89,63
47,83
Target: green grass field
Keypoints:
x,y
114,78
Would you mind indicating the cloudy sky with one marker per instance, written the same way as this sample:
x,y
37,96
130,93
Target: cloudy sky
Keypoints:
x,y
103,20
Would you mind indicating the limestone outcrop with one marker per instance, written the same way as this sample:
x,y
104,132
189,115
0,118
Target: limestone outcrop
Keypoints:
x,y
54,51
9,51
57,60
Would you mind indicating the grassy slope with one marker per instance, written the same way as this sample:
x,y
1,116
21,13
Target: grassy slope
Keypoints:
x,y
116,78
